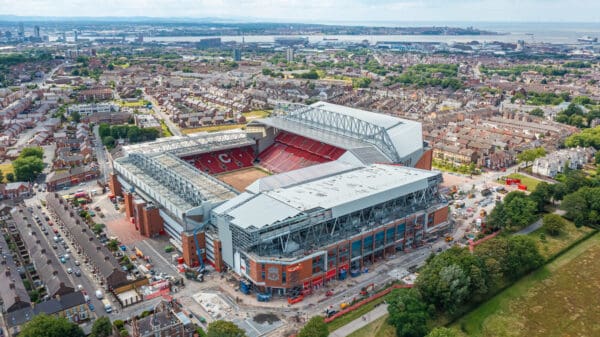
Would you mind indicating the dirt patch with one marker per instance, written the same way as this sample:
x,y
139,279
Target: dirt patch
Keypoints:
x,y
266,318
242,178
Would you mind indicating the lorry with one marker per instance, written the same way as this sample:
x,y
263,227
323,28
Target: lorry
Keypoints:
x,y
107,306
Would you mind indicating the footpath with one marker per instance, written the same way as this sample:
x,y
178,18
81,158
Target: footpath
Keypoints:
x,y
358,323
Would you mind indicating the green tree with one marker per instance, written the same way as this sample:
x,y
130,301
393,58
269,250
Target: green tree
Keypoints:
x,y
102,327
444,332
108,141
10,177
76,116
50,326
34,151
528,156
97,228
408,313
515,212
315,327
119,324
537,112
553,224
542,195
224,329
112,245
27,168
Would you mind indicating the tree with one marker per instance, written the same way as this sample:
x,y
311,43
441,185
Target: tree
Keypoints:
x,y
50,326
448,277
537,112
10,177
27,168
224,329
553,224
35,151
444,332
542,195
515,212
528,156
315,327
522,256
97,228
119,324
408,313
76,116
112,245
102,327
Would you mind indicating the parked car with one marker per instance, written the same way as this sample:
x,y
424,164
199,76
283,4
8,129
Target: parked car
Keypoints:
x,y
77,263
69,270
77,273
91,306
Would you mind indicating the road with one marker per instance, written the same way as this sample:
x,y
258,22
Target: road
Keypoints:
x,y
101,156
86,278
172,127
358,323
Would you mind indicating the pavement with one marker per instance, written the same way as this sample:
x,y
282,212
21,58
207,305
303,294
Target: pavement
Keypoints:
x,y
358,323
172,127
531,228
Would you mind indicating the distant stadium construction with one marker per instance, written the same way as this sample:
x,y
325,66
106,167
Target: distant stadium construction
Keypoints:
x,y
308,195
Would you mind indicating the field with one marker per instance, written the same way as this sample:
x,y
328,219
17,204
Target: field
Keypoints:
x,y
138,103
552,245
530,182
242,178
256,114
6,168
213,128
560,299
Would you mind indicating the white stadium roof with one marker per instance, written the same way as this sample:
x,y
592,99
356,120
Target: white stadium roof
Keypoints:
x,y
343,193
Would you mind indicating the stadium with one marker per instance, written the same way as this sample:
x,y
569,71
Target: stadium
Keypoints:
x,y
310,194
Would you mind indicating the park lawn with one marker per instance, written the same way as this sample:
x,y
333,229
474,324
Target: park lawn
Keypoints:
x,y
559,299
377,328
254,114
552,245
213,128
530,182
138,103
349,317
7,168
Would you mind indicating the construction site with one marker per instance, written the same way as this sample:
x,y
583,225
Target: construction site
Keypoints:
x,y
308,196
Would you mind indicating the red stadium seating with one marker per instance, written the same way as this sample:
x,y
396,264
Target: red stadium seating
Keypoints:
x,y
290,152
224,160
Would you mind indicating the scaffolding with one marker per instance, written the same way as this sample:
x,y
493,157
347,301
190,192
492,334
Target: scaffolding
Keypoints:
x,y
314,229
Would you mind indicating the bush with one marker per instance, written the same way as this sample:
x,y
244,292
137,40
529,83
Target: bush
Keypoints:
x,y
124,333
119,324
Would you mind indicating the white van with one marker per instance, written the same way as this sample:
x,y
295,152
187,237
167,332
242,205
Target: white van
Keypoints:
x,y
99,294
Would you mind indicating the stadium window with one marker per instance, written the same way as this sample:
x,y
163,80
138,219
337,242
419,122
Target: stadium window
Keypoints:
x,y
283,278
262,275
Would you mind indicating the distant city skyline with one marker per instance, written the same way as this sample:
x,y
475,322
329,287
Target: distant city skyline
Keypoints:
x,y
320,11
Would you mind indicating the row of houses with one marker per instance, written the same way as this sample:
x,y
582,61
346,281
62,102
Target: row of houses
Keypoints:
x,y
555,162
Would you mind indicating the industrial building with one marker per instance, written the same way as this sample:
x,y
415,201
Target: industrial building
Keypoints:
x,y
310,194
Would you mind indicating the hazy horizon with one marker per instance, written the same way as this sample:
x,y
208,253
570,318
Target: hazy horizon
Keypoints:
x,y
317,11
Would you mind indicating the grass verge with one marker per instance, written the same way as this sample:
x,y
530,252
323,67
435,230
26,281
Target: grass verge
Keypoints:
x,y
349,317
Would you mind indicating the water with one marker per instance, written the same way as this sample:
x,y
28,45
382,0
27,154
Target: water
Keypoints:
x,y
563,33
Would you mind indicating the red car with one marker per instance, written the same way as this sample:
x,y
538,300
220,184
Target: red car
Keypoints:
x,y
55,231
50,223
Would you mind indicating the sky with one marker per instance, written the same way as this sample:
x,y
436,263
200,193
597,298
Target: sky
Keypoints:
x,y
320,11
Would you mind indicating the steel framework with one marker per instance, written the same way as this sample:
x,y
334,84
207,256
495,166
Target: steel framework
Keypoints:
x,y
341,124
191,145
310,232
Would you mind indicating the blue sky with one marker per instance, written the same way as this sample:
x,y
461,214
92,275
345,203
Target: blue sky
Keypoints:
x,y
321,10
